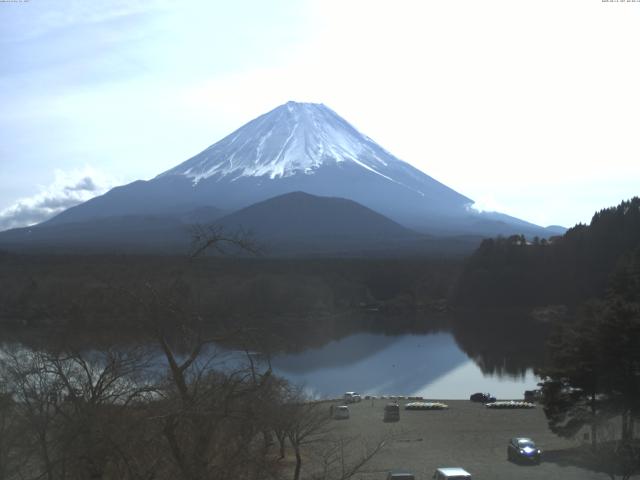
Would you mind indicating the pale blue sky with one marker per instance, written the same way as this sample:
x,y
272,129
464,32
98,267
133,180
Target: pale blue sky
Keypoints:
x,y
529,108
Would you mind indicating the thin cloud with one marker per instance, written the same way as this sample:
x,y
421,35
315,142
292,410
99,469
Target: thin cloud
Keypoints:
x,y
67,190
85,184
487,204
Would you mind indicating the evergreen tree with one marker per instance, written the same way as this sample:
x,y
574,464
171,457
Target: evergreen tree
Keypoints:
x,y
571,385
508,272
594,363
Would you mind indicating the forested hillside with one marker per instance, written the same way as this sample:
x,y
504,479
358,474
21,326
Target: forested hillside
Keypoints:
x,y
514,272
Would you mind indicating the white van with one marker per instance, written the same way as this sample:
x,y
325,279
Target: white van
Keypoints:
x,y
451,474
352,397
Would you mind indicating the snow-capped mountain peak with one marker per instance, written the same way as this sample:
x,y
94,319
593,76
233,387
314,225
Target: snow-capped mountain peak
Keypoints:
x,y
297,147
294,138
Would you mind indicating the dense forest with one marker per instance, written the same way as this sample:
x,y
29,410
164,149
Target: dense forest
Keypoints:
x,y
516,272
591,378
302,301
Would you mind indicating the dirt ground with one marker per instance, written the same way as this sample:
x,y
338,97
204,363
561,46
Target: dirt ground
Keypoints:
x,y
467,435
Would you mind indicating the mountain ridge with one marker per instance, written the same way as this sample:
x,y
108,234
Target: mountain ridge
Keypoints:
x,y
296,147
292,224
305,137
299,214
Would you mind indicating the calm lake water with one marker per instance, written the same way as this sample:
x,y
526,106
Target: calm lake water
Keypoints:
x,y
431,365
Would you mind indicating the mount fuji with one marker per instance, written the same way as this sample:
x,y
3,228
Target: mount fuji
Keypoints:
x,y
297,147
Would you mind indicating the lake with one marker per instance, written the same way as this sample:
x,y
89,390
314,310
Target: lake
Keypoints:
x,y
435,364
429,365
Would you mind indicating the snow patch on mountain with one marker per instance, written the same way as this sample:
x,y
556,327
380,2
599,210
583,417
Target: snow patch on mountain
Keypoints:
x,y
295,138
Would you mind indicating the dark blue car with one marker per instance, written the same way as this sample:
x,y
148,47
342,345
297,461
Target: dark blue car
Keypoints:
x,y
482,397
522,449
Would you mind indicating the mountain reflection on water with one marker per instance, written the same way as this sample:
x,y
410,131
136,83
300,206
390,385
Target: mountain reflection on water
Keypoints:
x,y
429,365
447,357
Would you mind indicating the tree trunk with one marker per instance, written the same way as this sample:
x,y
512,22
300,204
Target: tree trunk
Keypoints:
x,y
281,439
267,438
625,427
45,456
177,454
594,427
296,474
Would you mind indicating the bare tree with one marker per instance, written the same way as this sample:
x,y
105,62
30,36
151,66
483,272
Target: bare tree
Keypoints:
x,y
214,238
11,435
211,421
210,418
341,458
75,408
307,423
36,394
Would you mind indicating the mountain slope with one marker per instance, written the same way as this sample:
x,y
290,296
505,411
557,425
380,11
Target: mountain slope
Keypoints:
x,y
299,139
302,224
299,215
295,147
296,224
142,233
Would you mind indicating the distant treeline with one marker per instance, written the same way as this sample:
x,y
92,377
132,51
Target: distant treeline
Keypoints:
x,y
515,272
96,293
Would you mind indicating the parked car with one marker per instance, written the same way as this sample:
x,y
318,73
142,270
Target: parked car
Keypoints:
x,y
482,398
352,397
523,449
398,475
451,473
341,412
391,412
532,395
